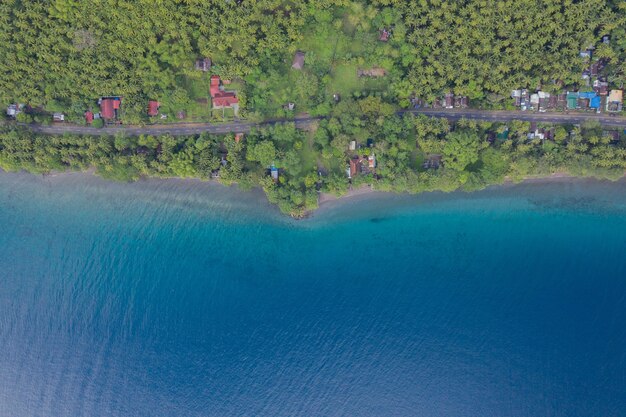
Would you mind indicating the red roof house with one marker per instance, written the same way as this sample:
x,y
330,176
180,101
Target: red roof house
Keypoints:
x,y
225,100
106,109
215,85
109,107
221,98
153,108
88,117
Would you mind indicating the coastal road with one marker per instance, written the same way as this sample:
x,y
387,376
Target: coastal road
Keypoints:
x,y
506,116
180,129
177,129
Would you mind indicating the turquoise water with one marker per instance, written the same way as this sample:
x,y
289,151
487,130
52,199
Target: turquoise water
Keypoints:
x,y
178,298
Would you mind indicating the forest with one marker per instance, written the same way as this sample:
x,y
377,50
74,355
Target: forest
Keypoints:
x,y
412,153
62,55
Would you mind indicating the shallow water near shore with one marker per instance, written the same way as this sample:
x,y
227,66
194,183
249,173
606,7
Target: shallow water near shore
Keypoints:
x,y
183,298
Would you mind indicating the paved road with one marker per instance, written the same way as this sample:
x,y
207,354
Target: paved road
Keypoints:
x,y
504,116
239,127
173,129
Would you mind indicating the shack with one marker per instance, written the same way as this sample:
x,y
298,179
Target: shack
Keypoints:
x,y
298,61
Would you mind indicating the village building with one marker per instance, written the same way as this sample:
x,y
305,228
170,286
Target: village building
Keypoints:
x,y
298,61
153,108
13,110
58,117
354,167
589,100
521,98
572,99
614,101
203,64
432,161
220,98
449,101
274,173
596,67
109,107
587,53
89,117
361,165
534,101
238,137
601,87
371,161
516,95
460,101
384,35
544,101
553,101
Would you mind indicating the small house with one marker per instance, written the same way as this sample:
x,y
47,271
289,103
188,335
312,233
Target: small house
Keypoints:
x,y
274,173
432,161
352,145
203,64
13,110
589,100
516,95
238,137
220,98
109,107
153,108
449,101
572,99
354,167
89,117
298,61
553,101
596,67
371,161
58,117
384,35
544,101
601,87
614,101
460,101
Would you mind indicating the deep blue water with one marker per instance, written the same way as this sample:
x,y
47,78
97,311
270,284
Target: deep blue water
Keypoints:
x,y
187,299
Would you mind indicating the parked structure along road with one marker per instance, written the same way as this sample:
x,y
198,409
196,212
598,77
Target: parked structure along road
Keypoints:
x,y
244,127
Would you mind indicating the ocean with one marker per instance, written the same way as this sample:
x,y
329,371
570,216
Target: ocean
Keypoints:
x,y
184,298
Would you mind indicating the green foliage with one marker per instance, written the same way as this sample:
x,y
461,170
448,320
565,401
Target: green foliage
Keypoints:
x,y
460,150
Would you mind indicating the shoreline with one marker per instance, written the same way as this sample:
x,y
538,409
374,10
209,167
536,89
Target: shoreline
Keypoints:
x,y
325,200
